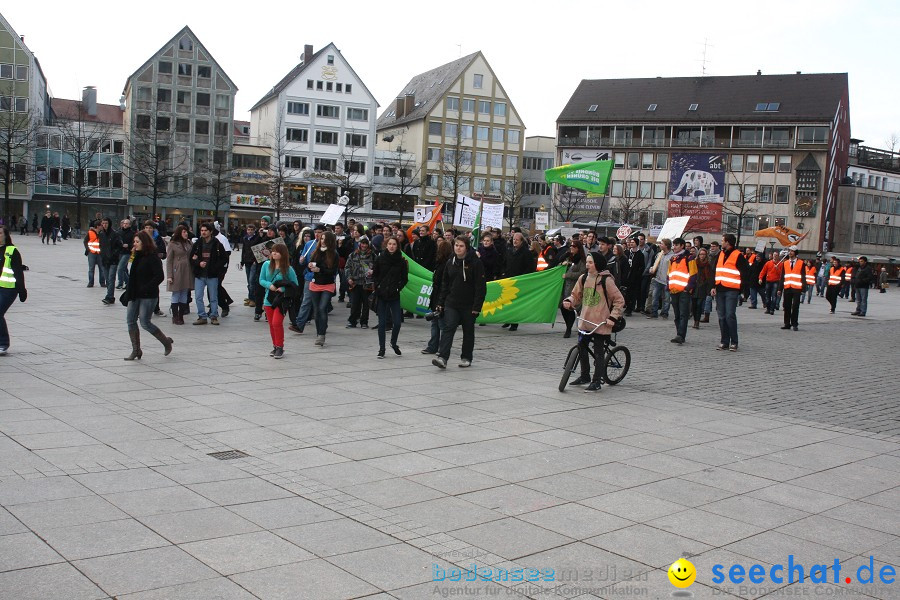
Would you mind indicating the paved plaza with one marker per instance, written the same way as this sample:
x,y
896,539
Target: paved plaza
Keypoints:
x,y
382,479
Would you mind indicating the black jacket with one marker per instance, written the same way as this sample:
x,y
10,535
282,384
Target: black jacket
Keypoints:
x,y
635,262
145,276
436,285
217,258
110,246
519,261
490,259
292,295
863,276
424,251
326,274
126,235
391,273
247,256
464,285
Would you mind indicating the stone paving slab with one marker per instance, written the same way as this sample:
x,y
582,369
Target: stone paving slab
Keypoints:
x,y
363,476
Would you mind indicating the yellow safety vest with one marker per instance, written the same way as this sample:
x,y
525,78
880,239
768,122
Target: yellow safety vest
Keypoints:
x,y
7,277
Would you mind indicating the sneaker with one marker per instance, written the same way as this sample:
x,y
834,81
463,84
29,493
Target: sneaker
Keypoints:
x,y
320,340
257,316
225,311
677,340
200,321
722,347
214,320
279,353
274,348
439,362
594,387
752,307
3,350
514,327
120,287
295,329
505,325
665,316
364,326
581,380
246,301
350,326
652,316
465,363
107,301
427,351
733,348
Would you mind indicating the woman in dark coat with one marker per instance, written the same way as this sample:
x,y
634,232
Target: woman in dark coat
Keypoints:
x,y
12,282
575,268
391,274
706,279
142,293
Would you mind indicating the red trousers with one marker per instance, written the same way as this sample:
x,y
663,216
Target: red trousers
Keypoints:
x,y
276,325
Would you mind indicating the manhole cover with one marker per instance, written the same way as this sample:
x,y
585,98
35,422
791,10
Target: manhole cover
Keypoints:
x,y
228,455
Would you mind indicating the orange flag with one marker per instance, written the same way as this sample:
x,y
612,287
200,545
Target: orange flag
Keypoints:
x,y
430,223
785,235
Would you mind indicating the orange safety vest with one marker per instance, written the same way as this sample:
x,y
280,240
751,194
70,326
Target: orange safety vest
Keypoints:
x,y
793,278
727,274
751,259
811,275
834,276
541,261
848,274
678,275
93,242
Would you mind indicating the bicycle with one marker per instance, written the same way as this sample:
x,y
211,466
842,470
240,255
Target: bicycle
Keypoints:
x,y
613,367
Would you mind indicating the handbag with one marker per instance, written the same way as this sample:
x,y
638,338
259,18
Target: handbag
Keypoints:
x,y
123,299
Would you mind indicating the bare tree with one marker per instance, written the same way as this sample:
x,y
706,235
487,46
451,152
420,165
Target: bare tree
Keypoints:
x,y
83,143
742,208
512,196
456,167
350,175
633,201
567,201
283,169
892,141
157,166
217,173
404,175
18,134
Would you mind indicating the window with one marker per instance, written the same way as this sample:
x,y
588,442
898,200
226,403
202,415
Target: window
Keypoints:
x,y
6,71
220,128
118,147
812,135
298,135
452,103
499,109
182,125
752,165
494,185
644,190
320,86
182,97
222,101
593,107
309,84
737,163
431,181
201,156
434,154
163,95
339,87
511,160
651,108
204,72
434,128
468,105
619,160
767,106
647,160
513,136
348,88
484,107
54,176
144,94
202,99
480,183
751,193
631,189
68,176
782,194
356,140
142,122
357,114
483,133
331,59
765,194
295,162
634,160
21,105
104,179
659,189
355,166
768,164
328,86
327,137
466,132
326,164
481,159
662,161
784,164
693,107
498,134
162,123
328,111
477,81
185,69
164,67
185,43
451,130
617,189
734,192
201,126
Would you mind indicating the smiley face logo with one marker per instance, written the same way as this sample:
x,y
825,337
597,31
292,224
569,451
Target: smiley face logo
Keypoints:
x,y
682,573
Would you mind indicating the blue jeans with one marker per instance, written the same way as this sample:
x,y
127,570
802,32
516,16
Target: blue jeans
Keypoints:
x,y
110,281
141,308
391,307
305,307
726,308
320,302
180,297
681,306
862,300
94,262
453,318
122,270
434,343
661,299
201,286
707,305
753,295
808,294
252,272
771,299
821,284
7,297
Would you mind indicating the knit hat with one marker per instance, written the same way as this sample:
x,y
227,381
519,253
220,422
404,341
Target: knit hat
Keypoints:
x,y
267,219
363,239
599,261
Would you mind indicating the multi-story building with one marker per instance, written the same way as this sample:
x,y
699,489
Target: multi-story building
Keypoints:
x,y
396,183
24,108
319,122
460,123
79,160
539,155
737,153
179,119
868,214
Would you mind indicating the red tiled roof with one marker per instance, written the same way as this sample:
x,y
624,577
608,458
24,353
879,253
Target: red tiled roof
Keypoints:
x,y
73,109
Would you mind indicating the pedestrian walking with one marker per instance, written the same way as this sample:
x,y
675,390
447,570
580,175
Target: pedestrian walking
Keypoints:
x,y
391,274
142,293
275,276
360,283
882,280
92,251
682,279
12,283
207,260
444,252
323,264
705,279
110,249
462,295
836,279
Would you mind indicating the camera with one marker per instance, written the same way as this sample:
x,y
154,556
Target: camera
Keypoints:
x,y
431,316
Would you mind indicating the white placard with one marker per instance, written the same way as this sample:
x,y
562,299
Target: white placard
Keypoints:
x,y
492,216
673,227
423,212
760,245
332,214
466,211
623,232
542,220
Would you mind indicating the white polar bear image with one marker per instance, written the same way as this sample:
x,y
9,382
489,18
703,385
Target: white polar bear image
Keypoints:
x,y
695,180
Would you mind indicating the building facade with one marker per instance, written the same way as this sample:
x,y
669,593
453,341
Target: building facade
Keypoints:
x,y
319,122
737,154
538,156
463,128
179,119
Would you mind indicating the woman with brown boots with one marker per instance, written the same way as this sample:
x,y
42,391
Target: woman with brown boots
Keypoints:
x,y
141,294
180,276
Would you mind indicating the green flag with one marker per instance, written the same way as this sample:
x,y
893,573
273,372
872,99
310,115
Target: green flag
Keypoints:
x,y
592,177
475,227
531,298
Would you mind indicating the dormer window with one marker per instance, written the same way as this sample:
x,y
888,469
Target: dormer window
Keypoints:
x,y
592,108
693,107
651,108
767,106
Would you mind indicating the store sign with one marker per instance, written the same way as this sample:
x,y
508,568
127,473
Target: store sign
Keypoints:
x,y
249,175
577,156
706,217
250,200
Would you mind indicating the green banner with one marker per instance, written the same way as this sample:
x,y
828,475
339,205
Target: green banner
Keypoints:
x,y
531,298
592,177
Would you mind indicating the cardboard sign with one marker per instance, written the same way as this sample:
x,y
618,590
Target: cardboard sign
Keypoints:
x,y
673,227
422,213
261,251
332,214
760,246
466,211
542,220
492,215
623,232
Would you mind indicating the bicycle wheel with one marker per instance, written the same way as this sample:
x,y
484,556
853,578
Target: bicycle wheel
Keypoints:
x,y
615,365
571,363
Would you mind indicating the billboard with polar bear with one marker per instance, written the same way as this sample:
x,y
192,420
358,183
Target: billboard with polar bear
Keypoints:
x,y
697,177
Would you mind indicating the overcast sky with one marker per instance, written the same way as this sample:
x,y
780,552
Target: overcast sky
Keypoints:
x,y
539,54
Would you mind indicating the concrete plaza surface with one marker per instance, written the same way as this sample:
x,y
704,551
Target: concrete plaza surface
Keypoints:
x,y
370,478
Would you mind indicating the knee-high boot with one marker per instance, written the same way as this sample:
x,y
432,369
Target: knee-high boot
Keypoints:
x,y
176,309
135,335
165,341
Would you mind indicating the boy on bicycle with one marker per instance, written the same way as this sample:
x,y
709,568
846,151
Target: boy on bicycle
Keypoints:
x,y
601,304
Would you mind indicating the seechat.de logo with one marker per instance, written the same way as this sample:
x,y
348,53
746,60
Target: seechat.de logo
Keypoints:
x,y
795,572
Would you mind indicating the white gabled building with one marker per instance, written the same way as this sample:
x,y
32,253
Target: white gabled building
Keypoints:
x,y
319,121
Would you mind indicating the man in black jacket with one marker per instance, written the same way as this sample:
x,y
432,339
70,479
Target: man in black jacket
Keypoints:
x,y
110,250
519,261
863,278
463,288
47,229
248,262
126,233
425,249
632,279
208,261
